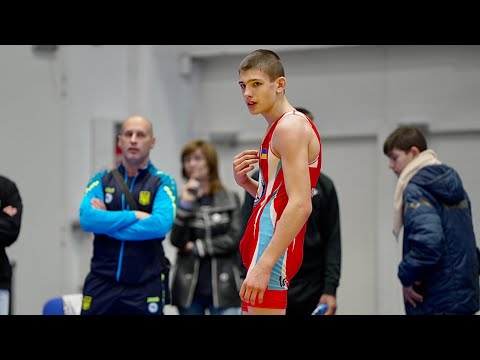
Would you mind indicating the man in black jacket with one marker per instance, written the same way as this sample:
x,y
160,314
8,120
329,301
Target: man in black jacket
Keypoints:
x,y
317,280
10,220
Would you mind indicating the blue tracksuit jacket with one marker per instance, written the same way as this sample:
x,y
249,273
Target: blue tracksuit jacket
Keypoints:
x,y
125,249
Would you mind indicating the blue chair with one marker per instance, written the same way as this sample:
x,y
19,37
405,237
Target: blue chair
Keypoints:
x,y
70,304
53,306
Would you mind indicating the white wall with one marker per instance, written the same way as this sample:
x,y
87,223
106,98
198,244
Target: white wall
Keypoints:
x,y
49,103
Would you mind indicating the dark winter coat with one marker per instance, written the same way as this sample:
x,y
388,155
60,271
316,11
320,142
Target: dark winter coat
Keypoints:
x,y
439,248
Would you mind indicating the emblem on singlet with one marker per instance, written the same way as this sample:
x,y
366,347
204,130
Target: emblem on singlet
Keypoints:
x,y
264,153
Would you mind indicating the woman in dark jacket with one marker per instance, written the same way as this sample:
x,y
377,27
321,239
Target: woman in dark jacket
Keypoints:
x,y
206,273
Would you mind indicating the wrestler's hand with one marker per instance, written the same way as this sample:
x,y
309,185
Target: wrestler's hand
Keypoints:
x,y
243,164
254,286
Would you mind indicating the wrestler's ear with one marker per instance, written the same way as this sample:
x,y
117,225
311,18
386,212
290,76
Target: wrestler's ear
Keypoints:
x,y
281,83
